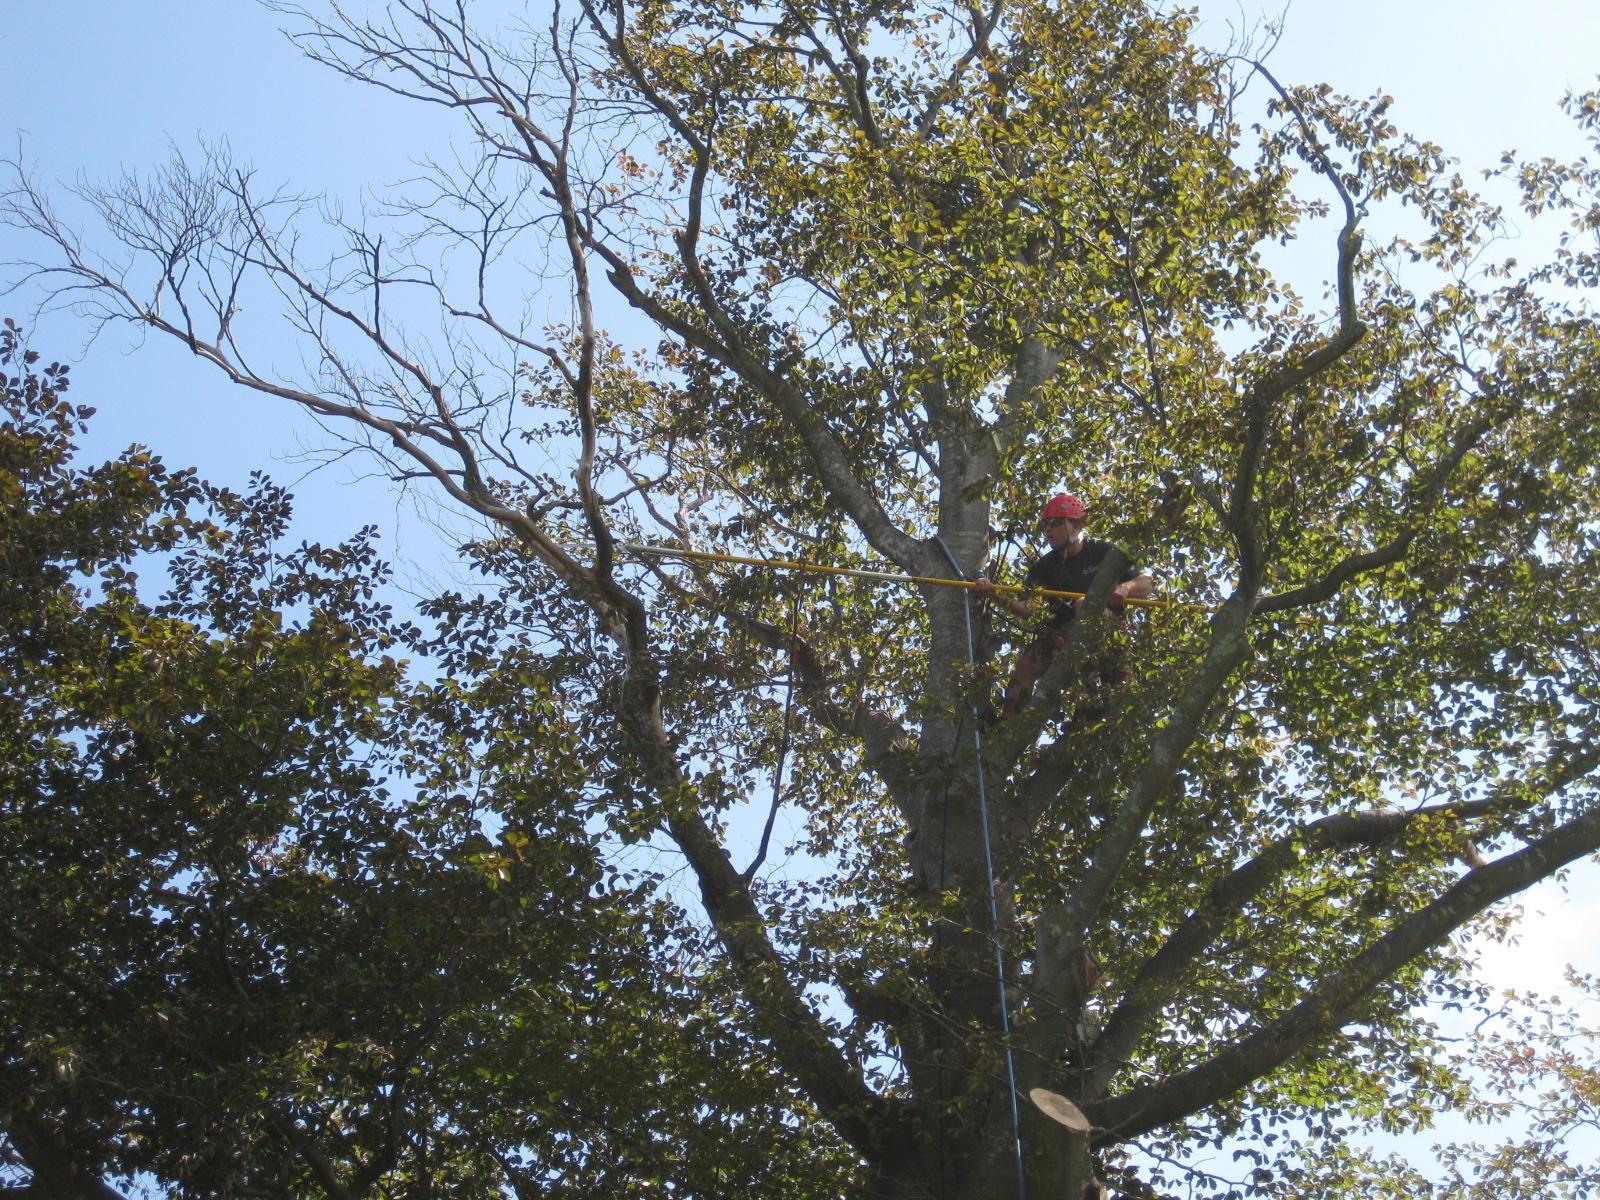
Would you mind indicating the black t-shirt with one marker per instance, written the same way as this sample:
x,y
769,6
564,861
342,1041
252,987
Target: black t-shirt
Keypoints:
x,y
1061,573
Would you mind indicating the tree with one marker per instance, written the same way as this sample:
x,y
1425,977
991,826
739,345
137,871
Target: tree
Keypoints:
x,y
903,269
280,920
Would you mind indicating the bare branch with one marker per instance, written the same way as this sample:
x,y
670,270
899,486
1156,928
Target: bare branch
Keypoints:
x,y
1302,366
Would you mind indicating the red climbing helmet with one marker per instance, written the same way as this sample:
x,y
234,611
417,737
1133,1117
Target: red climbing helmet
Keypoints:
x,y
1064,505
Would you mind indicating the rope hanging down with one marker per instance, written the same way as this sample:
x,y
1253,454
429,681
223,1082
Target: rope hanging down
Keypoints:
x,y
977,734
994,906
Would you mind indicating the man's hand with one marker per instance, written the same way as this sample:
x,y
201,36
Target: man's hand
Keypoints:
x,y
984,587
1140,587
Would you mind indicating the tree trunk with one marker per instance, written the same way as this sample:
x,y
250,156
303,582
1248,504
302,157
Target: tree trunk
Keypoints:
x,y
1057,1164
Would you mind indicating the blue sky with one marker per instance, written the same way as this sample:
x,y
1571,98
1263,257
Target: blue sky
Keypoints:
x,y
91,86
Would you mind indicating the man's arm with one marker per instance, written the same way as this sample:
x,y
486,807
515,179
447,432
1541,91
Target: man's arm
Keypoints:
x,y
1020,605
1140,587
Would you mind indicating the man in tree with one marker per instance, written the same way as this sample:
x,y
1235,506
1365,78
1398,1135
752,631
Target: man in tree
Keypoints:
x,y
1071,565
882,267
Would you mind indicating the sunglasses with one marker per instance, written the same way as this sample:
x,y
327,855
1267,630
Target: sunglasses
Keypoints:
x,y
1056,522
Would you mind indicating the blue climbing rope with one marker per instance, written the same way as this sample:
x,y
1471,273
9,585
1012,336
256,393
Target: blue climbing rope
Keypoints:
x,y
994,908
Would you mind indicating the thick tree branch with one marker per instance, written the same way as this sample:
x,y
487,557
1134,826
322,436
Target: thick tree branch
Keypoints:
x,y
839,1091
59,1171
851,77
873,1125
827,454
1032,369
1063,928
982,28
724,342
1331,1000
1156,980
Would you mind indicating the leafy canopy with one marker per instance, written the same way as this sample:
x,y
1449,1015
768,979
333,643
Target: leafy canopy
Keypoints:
x,y
892,274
